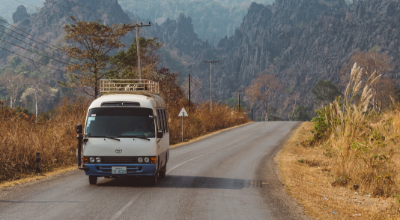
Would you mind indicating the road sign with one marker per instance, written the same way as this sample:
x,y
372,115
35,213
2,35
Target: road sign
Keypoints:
x,y
183,113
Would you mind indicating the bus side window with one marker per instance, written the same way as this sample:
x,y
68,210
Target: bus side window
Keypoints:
x,y
159,120
165,120
163,116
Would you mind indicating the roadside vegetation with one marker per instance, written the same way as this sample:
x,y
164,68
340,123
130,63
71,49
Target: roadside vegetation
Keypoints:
x,y
52,133
346,163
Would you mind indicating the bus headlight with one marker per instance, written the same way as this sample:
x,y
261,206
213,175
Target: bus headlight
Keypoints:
x,y
146,160
98,159
91,159
140,160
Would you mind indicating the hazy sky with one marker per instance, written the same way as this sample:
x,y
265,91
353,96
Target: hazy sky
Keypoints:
x,y
8,7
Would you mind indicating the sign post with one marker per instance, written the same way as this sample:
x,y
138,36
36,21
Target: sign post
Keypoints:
x,y
183,114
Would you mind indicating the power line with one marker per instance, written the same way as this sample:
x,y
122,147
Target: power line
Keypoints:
x,y
202,89
35,52
52,46
32,60
34,46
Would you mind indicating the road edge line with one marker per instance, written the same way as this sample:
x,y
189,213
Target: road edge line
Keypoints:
x,y
207,136
42,176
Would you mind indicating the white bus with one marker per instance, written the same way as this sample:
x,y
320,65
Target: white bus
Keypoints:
x,y
126,132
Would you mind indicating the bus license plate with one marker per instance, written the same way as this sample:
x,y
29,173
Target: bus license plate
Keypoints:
x,y
118,170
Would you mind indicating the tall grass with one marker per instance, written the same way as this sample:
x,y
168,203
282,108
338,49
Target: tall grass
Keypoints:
x,y
54,136
202,121
360,150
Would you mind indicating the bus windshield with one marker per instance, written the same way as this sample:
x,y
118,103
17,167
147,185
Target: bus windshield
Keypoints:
x,y
120,122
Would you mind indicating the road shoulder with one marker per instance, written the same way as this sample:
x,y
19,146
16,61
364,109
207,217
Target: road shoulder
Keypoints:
x,y
307,176
281,205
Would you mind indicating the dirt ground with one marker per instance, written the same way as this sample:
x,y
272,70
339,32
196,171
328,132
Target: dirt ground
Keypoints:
x,y
306,174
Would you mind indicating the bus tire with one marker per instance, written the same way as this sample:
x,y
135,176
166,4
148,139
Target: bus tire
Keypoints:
x,y
92,180
163,171
153,179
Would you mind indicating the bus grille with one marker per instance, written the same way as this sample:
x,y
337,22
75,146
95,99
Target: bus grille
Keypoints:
x,y
119,159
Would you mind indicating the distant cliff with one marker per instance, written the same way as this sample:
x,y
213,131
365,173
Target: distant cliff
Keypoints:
x,y
301,40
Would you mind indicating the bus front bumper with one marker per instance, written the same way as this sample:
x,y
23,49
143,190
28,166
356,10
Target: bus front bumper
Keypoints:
x,y
132,169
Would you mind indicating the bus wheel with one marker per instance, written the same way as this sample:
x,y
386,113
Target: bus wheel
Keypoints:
x,y
92,180
163,171
154,179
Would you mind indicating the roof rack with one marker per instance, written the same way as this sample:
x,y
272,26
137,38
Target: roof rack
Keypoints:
x,y
128,86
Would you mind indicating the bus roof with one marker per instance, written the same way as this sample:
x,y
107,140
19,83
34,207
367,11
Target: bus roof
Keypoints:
x,y
145,99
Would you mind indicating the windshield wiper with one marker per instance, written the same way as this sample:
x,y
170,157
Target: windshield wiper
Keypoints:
x,y
144,138
113,138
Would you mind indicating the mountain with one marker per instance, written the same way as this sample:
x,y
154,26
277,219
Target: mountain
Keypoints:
x,y
303,40
300,41
44,31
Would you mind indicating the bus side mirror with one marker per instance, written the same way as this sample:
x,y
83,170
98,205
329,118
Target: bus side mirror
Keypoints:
x,y
79,129
160,133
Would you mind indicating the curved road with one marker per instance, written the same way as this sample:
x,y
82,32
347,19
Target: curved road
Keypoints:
x,y
229,175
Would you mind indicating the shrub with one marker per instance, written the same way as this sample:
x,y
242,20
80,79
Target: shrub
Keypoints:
x,y
360,151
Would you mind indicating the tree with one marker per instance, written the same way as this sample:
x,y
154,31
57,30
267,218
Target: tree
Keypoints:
x,y
264,88
300,114
125,63
325,91
170,91
94,43
13,84
272,114
40,91
372,62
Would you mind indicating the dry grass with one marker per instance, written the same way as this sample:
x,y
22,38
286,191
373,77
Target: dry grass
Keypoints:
x,y
361,154
350,165
201,121
54,135
308,176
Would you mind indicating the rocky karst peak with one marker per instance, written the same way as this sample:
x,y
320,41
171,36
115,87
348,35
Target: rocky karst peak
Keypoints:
x,y
20,14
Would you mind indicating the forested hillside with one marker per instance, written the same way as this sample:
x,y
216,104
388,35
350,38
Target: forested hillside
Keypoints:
x,y
297,41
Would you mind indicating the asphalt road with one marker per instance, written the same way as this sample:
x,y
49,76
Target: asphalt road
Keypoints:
x,y
230,175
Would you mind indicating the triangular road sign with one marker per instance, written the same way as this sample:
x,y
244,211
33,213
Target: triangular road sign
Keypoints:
x,y
183,113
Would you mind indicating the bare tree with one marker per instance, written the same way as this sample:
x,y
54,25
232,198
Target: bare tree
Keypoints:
x,y
264,89
39,90
14,84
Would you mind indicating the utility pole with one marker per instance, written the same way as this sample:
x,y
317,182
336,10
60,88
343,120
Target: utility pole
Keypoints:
x,y
189,93
137,25
211,63
239,91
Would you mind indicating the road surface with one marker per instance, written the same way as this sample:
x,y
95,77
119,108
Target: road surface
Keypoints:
x,y
229,175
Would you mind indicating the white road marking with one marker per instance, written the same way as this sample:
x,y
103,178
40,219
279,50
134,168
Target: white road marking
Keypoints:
x,y
119,213
206,153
